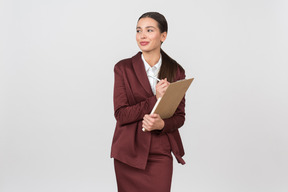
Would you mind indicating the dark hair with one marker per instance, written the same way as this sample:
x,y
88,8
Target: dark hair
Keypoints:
x,y
161,20
169,66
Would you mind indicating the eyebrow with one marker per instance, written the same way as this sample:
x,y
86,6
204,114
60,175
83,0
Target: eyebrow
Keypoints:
x,y
146,27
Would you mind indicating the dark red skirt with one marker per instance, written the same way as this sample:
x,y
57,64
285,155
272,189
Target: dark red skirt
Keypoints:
x,y
156,177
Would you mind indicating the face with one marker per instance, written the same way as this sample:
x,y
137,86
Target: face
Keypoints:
x,y
148,35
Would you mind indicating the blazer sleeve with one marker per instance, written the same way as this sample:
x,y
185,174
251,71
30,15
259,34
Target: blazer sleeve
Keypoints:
x,y
177,120
124,112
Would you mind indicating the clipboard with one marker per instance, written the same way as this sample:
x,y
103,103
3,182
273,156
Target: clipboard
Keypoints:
x,y
167,105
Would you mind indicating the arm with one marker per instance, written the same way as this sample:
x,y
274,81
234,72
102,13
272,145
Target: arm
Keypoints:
x,y
177,120
154,121
124,112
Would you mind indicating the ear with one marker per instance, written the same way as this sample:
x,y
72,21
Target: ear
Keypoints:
x,y
163,37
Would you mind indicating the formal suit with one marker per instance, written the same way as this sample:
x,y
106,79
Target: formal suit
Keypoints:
x,y
133,98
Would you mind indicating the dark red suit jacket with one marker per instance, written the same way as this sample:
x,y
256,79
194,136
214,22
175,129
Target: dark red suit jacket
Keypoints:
x,y
133,98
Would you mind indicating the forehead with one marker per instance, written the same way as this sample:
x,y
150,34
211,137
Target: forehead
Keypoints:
x,y
147,22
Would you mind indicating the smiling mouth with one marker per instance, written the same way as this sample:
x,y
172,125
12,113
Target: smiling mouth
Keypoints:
x,y
144,43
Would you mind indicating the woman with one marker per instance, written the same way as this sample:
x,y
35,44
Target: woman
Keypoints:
x,y
142,143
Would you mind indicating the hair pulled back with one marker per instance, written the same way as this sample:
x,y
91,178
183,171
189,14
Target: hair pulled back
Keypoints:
x,y
169,66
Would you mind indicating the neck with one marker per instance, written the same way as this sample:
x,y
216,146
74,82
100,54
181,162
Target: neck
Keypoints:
x,y
151,58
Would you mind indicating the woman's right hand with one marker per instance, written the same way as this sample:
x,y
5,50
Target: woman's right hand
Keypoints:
x,y
161,88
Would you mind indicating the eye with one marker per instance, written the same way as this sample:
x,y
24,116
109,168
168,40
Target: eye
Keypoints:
x,y
138,31
150,30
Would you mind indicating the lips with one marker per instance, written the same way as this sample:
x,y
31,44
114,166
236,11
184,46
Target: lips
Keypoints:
x,y
143,43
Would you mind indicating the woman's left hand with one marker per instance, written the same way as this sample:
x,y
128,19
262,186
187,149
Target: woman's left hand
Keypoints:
x,y
152,122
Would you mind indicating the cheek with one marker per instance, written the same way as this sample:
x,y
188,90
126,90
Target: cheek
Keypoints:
x,y
156,38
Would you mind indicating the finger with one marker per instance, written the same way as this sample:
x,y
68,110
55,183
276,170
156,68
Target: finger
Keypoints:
x,y
157,118
163,81
162,87
166,83
166,80
160,83
147,122
154,115
145,126
146,118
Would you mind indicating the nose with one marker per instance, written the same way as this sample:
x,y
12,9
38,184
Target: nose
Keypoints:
x,y
143,35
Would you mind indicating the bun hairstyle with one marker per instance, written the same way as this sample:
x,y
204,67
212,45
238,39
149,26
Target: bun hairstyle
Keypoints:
x,y
169,66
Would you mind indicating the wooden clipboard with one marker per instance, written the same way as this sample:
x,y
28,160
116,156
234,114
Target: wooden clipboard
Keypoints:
x,y
167,105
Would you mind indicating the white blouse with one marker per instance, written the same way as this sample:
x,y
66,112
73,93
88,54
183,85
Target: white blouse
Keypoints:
x,y
152,71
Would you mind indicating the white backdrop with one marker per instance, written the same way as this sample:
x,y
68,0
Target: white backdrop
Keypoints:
x,y
56,87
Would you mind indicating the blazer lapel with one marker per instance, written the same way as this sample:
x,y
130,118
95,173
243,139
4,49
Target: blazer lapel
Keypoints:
x,y
141,74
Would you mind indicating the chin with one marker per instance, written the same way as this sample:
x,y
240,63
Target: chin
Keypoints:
x,y
146,49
